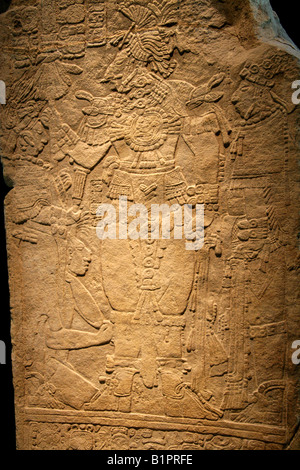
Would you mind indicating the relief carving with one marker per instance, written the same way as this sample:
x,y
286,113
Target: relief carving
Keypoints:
x,y
129,105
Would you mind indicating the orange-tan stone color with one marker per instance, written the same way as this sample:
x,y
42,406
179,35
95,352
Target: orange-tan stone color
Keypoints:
x,y
140,343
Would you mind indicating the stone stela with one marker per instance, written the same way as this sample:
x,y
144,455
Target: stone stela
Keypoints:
x,y
137,343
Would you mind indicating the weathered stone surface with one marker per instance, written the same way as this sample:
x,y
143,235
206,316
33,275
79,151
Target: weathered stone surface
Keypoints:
x,y
141,343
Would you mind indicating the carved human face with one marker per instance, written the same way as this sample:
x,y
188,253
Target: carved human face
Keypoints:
x,y
31,142
118,69
243,98
79,258
147,127
250,99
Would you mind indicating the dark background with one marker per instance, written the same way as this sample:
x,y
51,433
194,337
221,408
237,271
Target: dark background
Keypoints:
x,y
288,12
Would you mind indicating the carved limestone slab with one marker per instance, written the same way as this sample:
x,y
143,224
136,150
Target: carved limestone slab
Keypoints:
x,y
131,340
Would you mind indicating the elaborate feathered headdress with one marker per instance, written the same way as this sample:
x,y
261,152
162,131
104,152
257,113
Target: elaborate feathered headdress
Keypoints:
x,y
153,13
144,41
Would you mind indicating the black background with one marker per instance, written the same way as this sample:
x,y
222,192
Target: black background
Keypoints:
x,y
288,12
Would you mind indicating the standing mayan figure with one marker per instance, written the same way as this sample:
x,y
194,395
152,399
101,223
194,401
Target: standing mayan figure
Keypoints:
x,y
142,339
